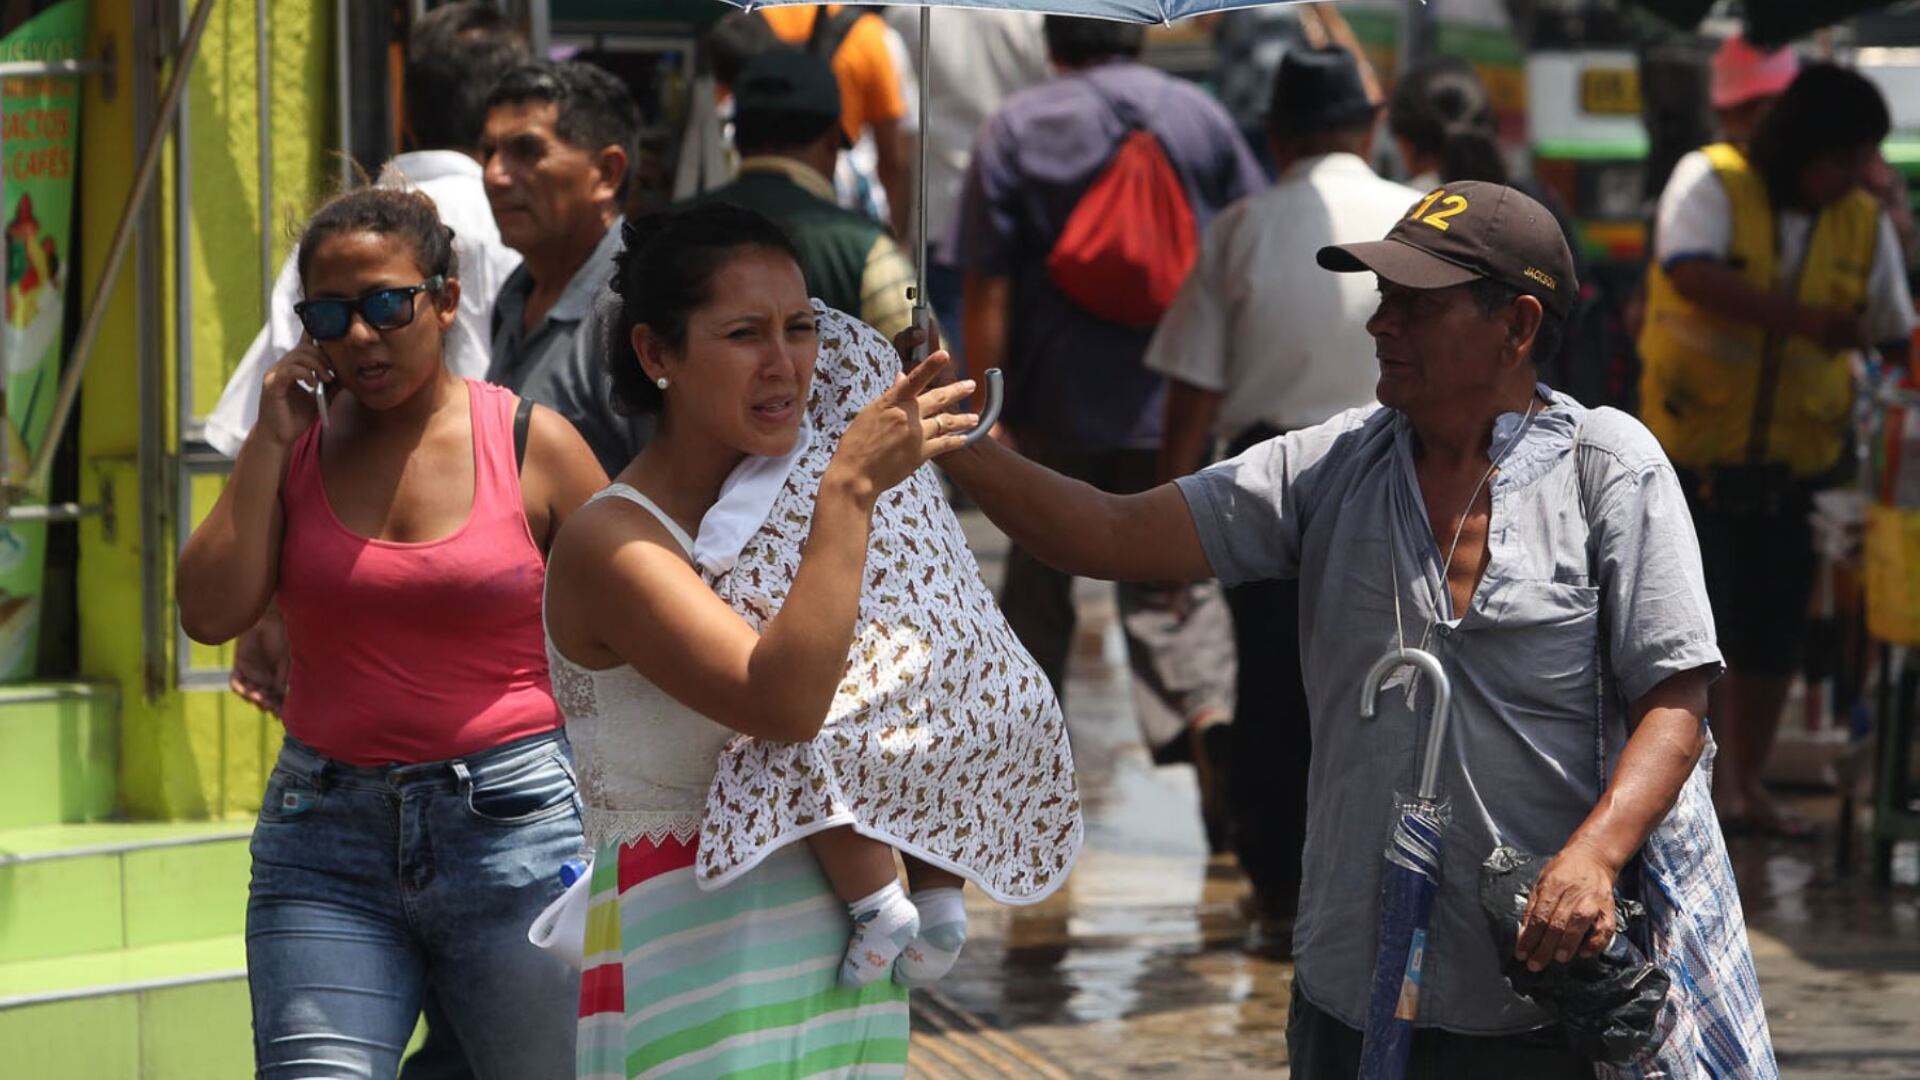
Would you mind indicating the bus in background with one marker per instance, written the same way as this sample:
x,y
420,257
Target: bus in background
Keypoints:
x,y
1587,142
1880,44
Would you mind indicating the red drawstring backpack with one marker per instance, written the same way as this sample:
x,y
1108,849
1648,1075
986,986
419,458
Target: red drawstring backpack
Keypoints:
x,y
1131,240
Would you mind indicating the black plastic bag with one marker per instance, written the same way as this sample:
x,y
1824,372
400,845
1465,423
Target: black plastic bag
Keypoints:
x,y
1609,1003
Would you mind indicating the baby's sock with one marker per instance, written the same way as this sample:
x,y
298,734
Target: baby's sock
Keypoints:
x,y
882,923
943,930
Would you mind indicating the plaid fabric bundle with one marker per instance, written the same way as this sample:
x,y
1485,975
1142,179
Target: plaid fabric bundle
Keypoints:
x,y
944,740
1715,1023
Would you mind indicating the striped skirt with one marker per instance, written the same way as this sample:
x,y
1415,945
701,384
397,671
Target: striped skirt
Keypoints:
x,y
738,982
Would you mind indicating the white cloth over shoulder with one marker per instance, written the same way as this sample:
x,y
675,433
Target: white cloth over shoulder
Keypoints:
x,y
452,180
944,739
746,501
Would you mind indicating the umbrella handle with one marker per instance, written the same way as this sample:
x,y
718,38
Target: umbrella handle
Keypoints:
x,y
989,416
1429,665
996,383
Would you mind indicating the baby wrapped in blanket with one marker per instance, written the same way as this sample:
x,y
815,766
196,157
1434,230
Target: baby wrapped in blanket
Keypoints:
x,y
944,741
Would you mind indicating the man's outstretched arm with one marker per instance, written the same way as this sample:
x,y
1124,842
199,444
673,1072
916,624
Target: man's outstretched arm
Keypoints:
x,y
1076,527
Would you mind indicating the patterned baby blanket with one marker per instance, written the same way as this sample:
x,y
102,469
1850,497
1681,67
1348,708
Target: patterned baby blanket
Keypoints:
x,y
944,739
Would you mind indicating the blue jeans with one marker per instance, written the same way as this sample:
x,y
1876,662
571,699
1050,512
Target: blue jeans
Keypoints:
x,y
373,886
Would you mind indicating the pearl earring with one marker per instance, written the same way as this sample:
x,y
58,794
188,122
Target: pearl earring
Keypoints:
x,y
661,382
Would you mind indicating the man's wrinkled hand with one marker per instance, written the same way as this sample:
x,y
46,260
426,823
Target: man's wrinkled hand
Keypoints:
x,y
1570,911
906,341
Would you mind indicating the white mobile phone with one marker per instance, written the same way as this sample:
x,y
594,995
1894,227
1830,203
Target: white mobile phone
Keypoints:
x,y
318,389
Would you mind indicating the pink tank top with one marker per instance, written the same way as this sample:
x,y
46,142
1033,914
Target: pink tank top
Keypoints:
x,y
416,652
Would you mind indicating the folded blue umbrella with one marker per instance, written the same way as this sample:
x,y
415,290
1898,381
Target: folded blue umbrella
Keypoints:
x,y
1407,884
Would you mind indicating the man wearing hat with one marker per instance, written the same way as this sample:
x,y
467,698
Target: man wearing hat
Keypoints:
x,y
1745,84
787,129
1258,343
1543,553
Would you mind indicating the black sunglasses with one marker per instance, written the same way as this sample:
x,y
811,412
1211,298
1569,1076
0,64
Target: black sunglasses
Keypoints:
x,y
381,309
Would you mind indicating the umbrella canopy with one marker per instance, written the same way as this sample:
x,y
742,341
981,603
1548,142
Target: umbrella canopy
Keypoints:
x,y
1407,884
1138,11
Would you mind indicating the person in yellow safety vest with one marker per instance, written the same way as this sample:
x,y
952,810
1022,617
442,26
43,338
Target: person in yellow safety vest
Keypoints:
x,y
1772,270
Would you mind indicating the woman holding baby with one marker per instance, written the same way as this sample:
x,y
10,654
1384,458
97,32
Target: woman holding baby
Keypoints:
x,y
725,705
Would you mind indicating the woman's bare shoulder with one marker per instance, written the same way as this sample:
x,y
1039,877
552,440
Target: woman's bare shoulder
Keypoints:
x,y
610,526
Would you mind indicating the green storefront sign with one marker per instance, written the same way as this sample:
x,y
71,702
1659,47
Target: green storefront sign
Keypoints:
x,y
39,129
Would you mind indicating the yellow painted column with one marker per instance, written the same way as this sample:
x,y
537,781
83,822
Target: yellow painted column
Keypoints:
x,y
188,754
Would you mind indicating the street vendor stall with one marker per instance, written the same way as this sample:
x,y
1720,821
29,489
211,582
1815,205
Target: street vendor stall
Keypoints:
x,y
1891,437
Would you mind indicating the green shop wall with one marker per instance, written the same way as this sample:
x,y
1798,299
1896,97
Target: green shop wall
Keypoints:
x,y
189,754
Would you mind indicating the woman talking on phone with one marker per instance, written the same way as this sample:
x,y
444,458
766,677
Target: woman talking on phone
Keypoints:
x,y
423,802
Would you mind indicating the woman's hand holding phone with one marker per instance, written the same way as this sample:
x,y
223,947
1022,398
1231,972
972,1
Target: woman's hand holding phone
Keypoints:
x,y
294,393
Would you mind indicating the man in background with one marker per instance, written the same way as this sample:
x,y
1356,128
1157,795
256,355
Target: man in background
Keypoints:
x,y
1745,84
1261,342
1772,267
975,60
559,145
787,127
1079,400
870,89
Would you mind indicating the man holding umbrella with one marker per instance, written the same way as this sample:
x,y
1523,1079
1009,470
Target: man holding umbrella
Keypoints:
x,y
1261,342
1543,553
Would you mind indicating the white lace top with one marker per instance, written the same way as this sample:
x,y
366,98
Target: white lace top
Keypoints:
x,y
645,761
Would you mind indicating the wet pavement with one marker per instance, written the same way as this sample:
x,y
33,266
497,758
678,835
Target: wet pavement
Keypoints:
x,y
1839,958
1141,965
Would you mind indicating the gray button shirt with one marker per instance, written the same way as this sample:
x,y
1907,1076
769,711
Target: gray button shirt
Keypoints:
x,y
562,363
1604,563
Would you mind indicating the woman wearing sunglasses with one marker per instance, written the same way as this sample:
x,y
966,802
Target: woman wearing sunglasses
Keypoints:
x,y
423,803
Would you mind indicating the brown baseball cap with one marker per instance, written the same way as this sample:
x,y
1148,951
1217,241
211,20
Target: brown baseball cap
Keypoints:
x,y
1466,231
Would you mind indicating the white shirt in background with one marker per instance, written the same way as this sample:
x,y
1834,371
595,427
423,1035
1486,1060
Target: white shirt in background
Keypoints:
x,y
976,60
1696,222
856,173
1259,322
452,180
